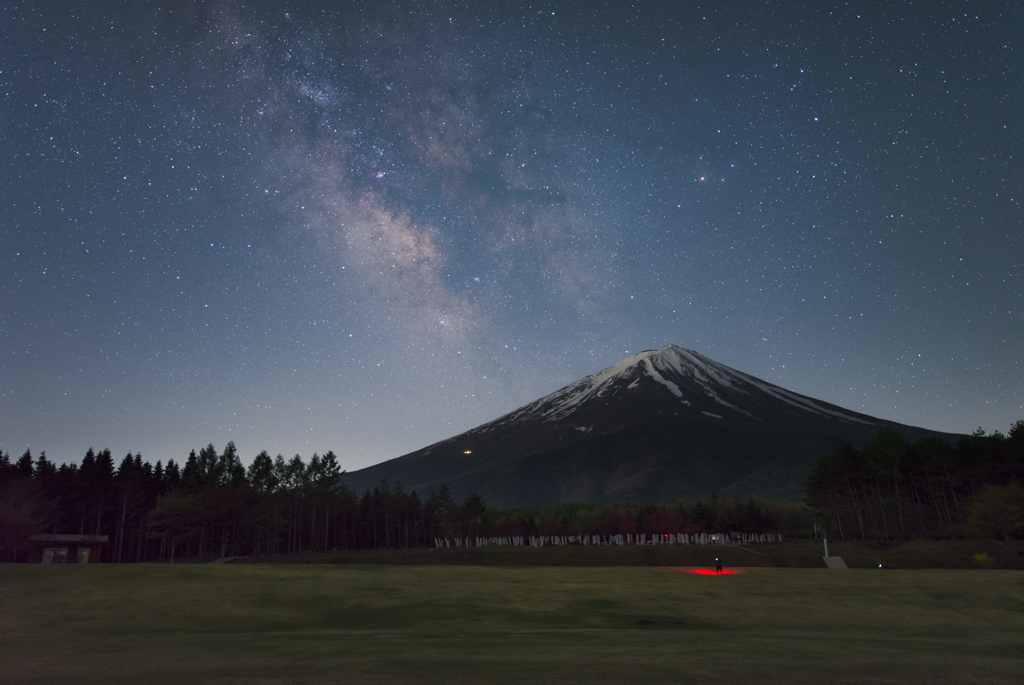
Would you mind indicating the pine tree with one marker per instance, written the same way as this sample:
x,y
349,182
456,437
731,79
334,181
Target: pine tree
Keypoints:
x,y
25,464
260,473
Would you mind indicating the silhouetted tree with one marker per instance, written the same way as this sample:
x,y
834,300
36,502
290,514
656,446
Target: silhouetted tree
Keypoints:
x,y
25,464
261,473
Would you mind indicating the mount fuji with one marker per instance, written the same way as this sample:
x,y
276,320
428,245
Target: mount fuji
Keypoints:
x,y
658,425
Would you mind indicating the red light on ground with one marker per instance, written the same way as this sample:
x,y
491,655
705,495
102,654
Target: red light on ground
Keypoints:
x,y
711,572
697,571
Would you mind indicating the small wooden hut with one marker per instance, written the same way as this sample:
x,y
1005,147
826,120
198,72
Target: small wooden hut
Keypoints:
x,y
66,549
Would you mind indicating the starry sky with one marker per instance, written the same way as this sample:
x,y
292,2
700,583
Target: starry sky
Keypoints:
x,y
368,226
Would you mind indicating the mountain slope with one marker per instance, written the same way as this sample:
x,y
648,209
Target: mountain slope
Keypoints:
x,y
659,425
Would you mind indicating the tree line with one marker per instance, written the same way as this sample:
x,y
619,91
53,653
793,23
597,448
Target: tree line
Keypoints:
x,y
213,506
891,488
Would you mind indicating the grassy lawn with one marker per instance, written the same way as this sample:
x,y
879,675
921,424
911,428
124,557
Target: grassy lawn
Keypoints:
x,y
323,623
919,554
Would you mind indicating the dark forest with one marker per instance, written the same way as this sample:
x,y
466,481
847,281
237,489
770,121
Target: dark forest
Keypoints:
x,y
214,507
894,489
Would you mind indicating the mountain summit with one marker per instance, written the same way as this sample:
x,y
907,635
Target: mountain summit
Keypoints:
x,y
658,425
699,386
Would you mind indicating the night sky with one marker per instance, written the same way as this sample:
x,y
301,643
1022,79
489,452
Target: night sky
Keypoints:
x,y
366,227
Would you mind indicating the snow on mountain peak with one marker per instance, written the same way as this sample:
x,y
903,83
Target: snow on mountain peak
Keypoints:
x,y
653,364
683,373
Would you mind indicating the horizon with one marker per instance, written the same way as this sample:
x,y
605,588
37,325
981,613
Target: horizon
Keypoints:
x,y
246,462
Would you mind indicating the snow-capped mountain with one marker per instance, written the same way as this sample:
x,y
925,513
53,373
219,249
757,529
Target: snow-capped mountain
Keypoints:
x,y
697,383
658,425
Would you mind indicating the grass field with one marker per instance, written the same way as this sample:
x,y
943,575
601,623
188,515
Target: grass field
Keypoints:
x,y
325,623
916,554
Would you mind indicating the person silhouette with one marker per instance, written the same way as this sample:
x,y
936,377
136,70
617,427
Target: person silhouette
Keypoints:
x,y
718,565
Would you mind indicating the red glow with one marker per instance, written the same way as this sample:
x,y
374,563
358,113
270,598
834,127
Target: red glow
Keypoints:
x,y
711,572
705,571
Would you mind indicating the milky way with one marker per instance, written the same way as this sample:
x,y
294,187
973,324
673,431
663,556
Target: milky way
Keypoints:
x,y
366,227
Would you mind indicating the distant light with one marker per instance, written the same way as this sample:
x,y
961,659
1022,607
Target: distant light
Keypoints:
x,y
468,452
